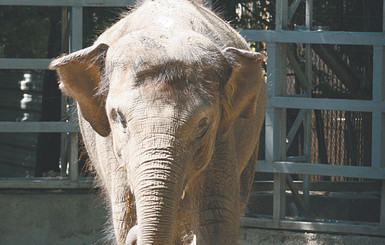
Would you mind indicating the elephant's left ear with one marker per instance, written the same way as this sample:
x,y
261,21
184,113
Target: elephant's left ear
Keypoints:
x,y
79,77
240,95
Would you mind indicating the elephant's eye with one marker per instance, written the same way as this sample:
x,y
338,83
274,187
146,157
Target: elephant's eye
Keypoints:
x,y
202,128
120,119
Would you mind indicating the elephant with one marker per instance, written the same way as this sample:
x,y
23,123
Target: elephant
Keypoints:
x,y
171,101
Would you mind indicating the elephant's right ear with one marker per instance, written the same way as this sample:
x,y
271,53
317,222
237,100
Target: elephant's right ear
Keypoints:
x,y
241,92
80,75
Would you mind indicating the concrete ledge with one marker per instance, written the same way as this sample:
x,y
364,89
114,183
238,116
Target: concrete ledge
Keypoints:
x,y
51,217
252,236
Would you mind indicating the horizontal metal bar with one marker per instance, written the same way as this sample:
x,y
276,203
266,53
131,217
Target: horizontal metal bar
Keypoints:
x,y
321,186
38,127
24,64
44,183
358,228
324,37
326,104
59,3
321,169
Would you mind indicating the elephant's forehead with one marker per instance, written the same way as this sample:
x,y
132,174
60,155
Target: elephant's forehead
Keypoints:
x,y
151,47
178,60
167,76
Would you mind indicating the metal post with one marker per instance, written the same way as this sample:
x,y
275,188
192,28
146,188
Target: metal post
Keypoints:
x,y
378,117
276,117
309,14
73,158
282,15
76,43
382,210
65,29
378,120
76,37
276,124
279,197
307,121
65,32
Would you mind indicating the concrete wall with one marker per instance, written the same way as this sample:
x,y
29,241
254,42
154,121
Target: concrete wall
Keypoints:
x,y
278,237
51,217
78,217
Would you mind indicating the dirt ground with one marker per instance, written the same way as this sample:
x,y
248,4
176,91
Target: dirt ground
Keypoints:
x,y
252,236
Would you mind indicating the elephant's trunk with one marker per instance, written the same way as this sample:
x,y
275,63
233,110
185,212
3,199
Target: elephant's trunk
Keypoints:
x,y
157,190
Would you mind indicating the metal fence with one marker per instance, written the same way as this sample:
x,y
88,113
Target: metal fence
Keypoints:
x,y
277,137
72,17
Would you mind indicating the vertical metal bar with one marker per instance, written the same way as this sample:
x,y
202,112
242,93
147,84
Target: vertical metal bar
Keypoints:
x,y
65,29
282,15
64,136
306,192
76,43
381,95
307,121
383,16
378,117
307,153
279,197
280,120
272,74
378,139
382,208
276,117
73,159
309,14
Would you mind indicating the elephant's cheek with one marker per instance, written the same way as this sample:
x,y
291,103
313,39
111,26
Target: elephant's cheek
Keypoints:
x,y
203,155
117,146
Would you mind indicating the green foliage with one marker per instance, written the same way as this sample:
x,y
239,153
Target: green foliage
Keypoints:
x,y
24,31
28,32
255,14
97,20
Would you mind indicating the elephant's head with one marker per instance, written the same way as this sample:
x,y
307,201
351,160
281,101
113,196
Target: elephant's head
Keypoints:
x,y
165,99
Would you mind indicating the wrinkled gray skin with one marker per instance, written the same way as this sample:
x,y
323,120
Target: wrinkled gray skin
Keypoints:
x,y
170,111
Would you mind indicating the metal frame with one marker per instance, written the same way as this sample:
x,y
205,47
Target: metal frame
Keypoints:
x,y
277,102
276,161
72,42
